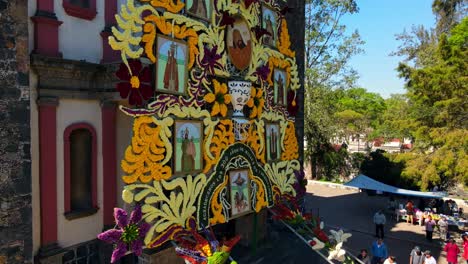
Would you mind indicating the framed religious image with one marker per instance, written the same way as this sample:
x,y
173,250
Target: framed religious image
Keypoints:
x,y
171,66
273,142
188,140
239,43
199,8
239,192
270,24
280,86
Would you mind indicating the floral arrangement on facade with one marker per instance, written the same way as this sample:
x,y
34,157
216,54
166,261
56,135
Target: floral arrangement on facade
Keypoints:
x,y
128,234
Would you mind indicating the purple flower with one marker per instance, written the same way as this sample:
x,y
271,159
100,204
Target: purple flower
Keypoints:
x,y
120,217
135,216
110,236
210,59
119,251
262,72
129,234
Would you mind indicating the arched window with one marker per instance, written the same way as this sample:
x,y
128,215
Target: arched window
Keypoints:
x,y
80,162
80,3
85,9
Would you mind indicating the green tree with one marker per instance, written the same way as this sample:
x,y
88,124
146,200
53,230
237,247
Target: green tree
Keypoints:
x,y
328,49
439,98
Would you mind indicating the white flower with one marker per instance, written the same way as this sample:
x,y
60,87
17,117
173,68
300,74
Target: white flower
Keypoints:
x,y
339,236
337,253
318,244
322,225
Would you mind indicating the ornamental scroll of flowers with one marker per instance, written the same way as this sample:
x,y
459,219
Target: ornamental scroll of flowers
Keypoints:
x,y
168,202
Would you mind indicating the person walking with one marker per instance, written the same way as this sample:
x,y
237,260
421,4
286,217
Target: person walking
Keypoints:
x,y
465,247
429,228
379,221
429,259
443,228
379,251
416,256
409,212
364,257
390,260
452,251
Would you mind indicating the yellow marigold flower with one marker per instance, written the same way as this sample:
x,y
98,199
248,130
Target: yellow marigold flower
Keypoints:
x,y
219,98
256,102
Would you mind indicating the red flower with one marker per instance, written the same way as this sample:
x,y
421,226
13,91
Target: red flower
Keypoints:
x,y
136,85
312,243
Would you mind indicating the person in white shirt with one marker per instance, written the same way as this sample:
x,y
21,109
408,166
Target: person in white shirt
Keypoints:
x,y
429,259
390,260
379,221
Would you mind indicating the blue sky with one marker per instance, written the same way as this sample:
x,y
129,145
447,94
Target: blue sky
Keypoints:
x,y
377,22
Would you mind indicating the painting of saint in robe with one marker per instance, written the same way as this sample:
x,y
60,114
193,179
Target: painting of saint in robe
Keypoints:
x,y
171,65
188,152
239,44
198,8
171,75
269,24
188,158
239,192
280,86
272,142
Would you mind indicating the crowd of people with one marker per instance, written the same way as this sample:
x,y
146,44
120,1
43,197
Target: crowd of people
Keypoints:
x,y
380,253
379,250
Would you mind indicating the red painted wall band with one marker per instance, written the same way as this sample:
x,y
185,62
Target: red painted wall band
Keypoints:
x,y
109,160
48,170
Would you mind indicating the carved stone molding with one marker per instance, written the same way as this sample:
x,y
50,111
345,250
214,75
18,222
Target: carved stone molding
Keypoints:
x,y
64,78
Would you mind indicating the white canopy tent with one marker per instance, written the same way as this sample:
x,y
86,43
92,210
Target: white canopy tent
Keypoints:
x,y
363,182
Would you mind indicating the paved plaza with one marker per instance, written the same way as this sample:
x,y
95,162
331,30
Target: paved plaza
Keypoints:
x,y
353,211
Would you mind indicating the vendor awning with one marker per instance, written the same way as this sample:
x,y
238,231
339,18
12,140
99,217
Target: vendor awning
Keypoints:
x,y
364,182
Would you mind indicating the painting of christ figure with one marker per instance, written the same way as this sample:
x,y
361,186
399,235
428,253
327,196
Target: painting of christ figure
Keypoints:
x,y
199,8
239,43
269,23
171,69
273,142
280,86
240,195
188,146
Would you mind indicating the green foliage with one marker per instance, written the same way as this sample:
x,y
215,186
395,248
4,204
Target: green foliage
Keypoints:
x,y
328,49
396,121
437,85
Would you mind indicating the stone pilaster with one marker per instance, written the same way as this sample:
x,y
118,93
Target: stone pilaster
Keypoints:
x,y
15,155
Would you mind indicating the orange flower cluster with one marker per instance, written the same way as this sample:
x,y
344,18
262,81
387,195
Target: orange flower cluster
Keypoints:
x,y
284,45
253,140
143,158
223,137
169,5
291,148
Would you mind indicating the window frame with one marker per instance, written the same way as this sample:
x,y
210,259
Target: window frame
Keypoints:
x,y
80,12
69,213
